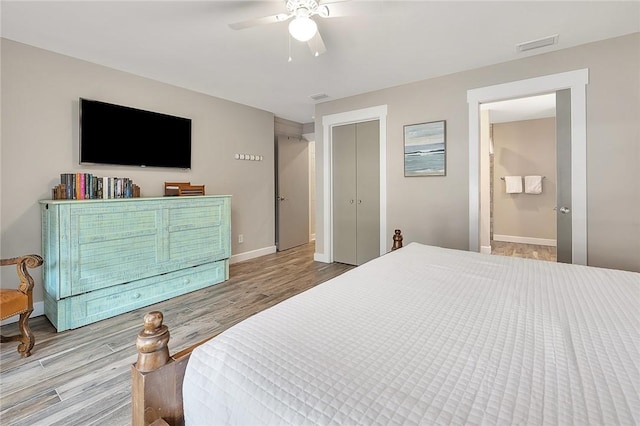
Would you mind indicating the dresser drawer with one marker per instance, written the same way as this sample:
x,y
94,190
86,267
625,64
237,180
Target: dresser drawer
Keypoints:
x,y
90,307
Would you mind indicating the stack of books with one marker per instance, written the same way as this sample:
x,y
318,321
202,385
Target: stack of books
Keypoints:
x,y
86,186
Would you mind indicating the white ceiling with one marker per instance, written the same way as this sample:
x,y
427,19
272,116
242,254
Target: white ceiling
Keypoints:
x,y
373,45
529,108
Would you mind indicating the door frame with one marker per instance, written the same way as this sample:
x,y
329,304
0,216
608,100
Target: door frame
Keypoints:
x,y
339,119
576,81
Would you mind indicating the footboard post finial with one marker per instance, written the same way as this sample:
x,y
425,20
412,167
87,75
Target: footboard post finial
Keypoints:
x,y
152,341
397,240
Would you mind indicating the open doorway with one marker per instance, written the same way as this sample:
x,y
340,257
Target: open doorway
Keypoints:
x,y
573,84
521,186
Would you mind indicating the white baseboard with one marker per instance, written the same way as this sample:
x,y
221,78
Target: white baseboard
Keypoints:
x,y
525,240
38,310
252,254
321,257
485,249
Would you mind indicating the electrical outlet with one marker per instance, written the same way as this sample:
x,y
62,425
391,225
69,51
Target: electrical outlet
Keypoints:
x,y
240,238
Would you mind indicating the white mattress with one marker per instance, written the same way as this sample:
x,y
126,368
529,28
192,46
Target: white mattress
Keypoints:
x,y
425,335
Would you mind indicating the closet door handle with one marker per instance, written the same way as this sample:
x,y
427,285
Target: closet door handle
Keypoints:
x,y
359,201
350,201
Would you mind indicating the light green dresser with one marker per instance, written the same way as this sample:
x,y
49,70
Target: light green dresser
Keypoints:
x,y
106,257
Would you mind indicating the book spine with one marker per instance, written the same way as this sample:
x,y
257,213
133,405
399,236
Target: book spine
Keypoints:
x,y
87,186
68,186
82,186
76,187
98,187
63,180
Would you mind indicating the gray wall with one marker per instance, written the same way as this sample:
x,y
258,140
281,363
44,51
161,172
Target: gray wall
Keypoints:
x,y
40,92
434,210
525,148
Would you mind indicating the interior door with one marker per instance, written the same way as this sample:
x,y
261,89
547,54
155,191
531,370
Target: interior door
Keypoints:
x,y
344,194
368,190
563,164
356,192
292,198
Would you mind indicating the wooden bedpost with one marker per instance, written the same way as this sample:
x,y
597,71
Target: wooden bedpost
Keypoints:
x,y
152,341
397,240
156,378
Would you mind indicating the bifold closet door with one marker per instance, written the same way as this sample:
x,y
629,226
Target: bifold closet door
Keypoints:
x,y
344,194
356,192
368,191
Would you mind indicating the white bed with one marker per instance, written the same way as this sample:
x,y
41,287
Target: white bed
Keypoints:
x,y
425,335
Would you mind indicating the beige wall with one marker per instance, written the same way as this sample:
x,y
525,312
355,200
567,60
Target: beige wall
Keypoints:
x,y
40,92
434,210
525,148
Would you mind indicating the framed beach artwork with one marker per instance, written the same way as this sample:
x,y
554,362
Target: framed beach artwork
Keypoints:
x,y
425,149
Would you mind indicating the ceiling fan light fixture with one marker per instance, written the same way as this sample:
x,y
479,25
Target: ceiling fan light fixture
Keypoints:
x,y
303,28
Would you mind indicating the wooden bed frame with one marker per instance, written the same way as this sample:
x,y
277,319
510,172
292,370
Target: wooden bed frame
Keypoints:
x,y
156,377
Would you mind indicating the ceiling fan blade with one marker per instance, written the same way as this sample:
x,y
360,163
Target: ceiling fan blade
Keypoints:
x,y
316,45
280,17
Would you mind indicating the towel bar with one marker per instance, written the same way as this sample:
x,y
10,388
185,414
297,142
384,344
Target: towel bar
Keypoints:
x,y
502,177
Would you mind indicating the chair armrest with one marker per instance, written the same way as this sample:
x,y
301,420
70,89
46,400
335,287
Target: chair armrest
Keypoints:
x,y
22,263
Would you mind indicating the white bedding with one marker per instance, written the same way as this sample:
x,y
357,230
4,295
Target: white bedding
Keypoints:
x,y
426,335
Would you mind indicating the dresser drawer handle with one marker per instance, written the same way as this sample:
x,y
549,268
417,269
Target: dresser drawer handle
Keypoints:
x,y
137,296
186,281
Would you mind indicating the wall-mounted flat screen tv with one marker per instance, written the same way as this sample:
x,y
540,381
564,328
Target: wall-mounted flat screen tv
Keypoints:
x,y
120,135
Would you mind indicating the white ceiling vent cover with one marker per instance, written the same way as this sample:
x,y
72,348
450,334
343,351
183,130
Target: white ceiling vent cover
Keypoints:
x,y
536,44
319,96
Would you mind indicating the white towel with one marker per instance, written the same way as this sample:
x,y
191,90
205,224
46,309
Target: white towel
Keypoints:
x,y
533,184
513,184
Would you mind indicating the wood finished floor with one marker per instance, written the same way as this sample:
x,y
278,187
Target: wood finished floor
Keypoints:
x,y
531,251
82,376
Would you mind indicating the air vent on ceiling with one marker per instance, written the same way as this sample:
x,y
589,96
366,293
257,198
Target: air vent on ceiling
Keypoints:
x,y
319,96
536,44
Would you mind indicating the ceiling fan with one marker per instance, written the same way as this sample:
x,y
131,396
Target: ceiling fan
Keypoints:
x,y
302,27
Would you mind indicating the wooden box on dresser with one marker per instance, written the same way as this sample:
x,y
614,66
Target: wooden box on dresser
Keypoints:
x,y
107,257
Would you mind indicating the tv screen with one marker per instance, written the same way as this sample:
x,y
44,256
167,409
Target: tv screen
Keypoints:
x,y
120,135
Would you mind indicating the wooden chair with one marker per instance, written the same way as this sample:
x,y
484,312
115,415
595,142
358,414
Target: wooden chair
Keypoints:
x,y
20,301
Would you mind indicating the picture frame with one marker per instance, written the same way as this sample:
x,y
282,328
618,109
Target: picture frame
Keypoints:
x,y
425,149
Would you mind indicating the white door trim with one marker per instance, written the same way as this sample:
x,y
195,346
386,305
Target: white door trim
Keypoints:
x,y
349,117
576,81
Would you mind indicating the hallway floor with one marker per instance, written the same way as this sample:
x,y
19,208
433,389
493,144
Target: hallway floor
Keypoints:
x,y
531,251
